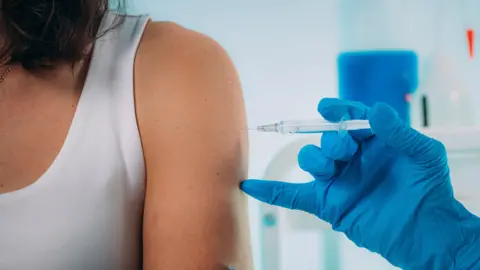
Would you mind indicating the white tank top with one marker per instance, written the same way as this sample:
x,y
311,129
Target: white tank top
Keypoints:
x,y
85,212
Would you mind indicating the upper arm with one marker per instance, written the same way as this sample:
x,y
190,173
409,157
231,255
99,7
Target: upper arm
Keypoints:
x,y
191,117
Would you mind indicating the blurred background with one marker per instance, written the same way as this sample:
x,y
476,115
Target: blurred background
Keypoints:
x,y
417,55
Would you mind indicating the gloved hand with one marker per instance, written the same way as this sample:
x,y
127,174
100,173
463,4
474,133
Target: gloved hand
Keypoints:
x,y
388,191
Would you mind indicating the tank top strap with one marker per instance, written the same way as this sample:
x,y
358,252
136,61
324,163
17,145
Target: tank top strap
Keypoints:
x,y
111,76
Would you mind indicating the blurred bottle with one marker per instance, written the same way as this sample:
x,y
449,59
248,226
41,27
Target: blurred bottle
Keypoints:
x,y
378,59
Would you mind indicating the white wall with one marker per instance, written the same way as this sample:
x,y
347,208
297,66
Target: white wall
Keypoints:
x,y
285,52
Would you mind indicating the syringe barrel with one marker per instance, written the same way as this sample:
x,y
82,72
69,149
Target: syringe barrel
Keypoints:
x,y
306,126
319,126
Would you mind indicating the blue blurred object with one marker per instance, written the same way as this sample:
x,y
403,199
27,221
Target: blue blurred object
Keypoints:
x,y
269,220
388,190
379,76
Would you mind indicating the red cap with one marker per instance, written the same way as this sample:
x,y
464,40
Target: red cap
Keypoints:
x,y
470,39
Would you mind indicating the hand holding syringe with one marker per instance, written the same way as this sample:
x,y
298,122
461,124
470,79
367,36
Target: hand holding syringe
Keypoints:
x,y
312,126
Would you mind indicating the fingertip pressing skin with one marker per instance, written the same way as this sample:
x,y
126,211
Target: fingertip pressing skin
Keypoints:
x,y
191,117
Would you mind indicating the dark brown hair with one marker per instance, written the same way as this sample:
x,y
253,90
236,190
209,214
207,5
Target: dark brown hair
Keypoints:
x,y
39,34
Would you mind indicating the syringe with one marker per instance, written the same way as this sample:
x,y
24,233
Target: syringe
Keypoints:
x,y
312,126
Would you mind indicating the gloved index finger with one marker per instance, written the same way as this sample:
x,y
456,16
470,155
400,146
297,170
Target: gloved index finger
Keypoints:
x,y
336,110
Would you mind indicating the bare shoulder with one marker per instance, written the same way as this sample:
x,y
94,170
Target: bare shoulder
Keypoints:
x,y
191,118
175,63
170,32
184,76
170,47
174,36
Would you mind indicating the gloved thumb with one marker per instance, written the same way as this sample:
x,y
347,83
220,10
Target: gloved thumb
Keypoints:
x,y
288,195
397,134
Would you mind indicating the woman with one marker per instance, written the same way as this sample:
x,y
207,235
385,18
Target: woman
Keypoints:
x,y
115,128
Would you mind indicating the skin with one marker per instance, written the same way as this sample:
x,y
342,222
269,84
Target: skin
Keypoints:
x,y
191,118
196,157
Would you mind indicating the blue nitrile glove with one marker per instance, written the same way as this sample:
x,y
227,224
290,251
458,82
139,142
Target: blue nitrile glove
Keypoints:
x,y
389,192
